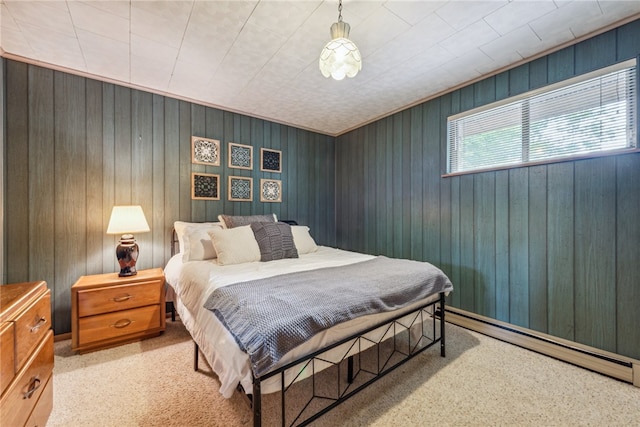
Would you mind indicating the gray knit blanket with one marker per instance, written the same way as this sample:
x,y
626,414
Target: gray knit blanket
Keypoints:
x,y
269,317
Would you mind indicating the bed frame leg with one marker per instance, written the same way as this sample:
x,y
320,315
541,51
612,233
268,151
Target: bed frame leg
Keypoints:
x,y
350,369
196,349
442,339
257,404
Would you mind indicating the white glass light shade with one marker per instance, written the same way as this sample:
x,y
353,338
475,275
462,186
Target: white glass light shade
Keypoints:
x,y
340,57
127,219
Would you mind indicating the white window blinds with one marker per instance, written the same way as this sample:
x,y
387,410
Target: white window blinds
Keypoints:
x,y
597,113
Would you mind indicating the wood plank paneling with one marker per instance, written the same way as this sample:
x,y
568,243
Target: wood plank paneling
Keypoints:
x,y
405,231
159,236
171,126
560,65
628,253
109,262
142,169
16,228
502,247
467,249
419,194
431,156
95,225
538,73
397,177
519,247
456,246
560,250
70,187
628,42
538,248
42,173
76,147
484,244
595,299
382,218
596,52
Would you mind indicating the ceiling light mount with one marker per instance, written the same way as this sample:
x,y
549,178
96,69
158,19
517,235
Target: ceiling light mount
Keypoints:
x,y
340,57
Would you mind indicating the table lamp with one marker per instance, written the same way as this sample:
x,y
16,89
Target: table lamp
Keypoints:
x,y
126,220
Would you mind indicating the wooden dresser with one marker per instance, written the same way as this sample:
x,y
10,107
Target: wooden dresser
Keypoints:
x,y
108,310
26,354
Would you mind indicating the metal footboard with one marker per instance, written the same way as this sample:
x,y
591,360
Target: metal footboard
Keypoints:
x,y
364,361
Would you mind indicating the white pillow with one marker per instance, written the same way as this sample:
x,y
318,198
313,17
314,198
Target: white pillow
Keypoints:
x,y
197,243
235,245
181,226
303,240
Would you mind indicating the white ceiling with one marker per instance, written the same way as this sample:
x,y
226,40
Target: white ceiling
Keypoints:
x,y
261,57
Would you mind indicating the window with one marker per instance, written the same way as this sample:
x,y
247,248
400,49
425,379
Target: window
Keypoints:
x,y
595,113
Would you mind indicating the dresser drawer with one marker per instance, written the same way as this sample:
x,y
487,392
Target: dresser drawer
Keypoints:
x,y
31,326
7,365
23,393
119,324
119,297
41,412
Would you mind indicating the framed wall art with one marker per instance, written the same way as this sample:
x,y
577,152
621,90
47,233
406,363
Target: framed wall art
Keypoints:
x,y
205,151
240,156
240,189
270,160
271,190
205,186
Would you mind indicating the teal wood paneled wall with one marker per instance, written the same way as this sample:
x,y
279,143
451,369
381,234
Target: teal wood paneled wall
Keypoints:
x,y
75,147
554,248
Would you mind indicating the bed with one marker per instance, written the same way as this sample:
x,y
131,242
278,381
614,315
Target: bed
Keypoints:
x,y
212,261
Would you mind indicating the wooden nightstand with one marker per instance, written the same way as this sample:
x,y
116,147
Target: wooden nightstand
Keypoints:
x,y
107,310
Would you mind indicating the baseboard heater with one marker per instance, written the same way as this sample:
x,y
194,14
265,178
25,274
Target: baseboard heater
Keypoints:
x,y
606,363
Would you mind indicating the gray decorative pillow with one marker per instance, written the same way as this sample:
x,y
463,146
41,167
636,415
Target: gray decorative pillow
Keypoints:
x,y
231,221
275,240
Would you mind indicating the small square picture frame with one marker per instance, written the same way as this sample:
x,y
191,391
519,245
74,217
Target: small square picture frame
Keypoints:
x,y
270,160
240,156
240,189
205,151
270,190
205,186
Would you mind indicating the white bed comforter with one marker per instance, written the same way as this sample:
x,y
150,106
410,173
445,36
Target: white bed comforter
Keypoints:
x,y
194,281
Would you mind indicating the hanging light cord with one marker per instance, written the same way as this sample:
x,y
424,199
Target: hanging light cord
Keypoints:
x,y
340,11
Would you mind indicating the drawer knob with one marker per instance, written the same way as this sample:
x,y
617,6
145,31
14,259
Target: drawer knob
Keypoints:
x,y
122,323
122,298
33,386
41,322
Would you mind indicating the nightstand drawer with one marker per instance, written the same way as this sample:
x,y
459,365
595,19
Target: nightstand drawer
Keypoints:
x,y
31,327
118,324
121,297
23,394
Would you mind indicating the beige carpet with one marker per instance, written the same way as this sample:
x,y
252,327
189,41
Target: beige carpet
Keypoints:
x,y
481,382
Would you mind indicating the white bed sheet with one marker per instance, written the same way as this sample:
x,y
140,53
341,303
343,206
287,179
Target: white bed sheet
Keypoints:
x,y
194,281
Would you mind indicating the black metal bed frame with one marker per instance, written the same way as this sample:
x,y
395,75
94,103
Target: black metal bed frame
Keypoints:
x,y
399,343
394,348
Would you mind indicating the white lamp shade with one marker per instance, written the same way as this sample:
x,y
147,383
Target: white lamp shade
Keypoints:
x,y
340,57
127,219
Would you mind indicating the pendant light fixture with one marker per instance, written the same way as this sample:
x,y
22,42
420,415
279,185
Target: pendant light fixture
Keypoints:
x,y
340,57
